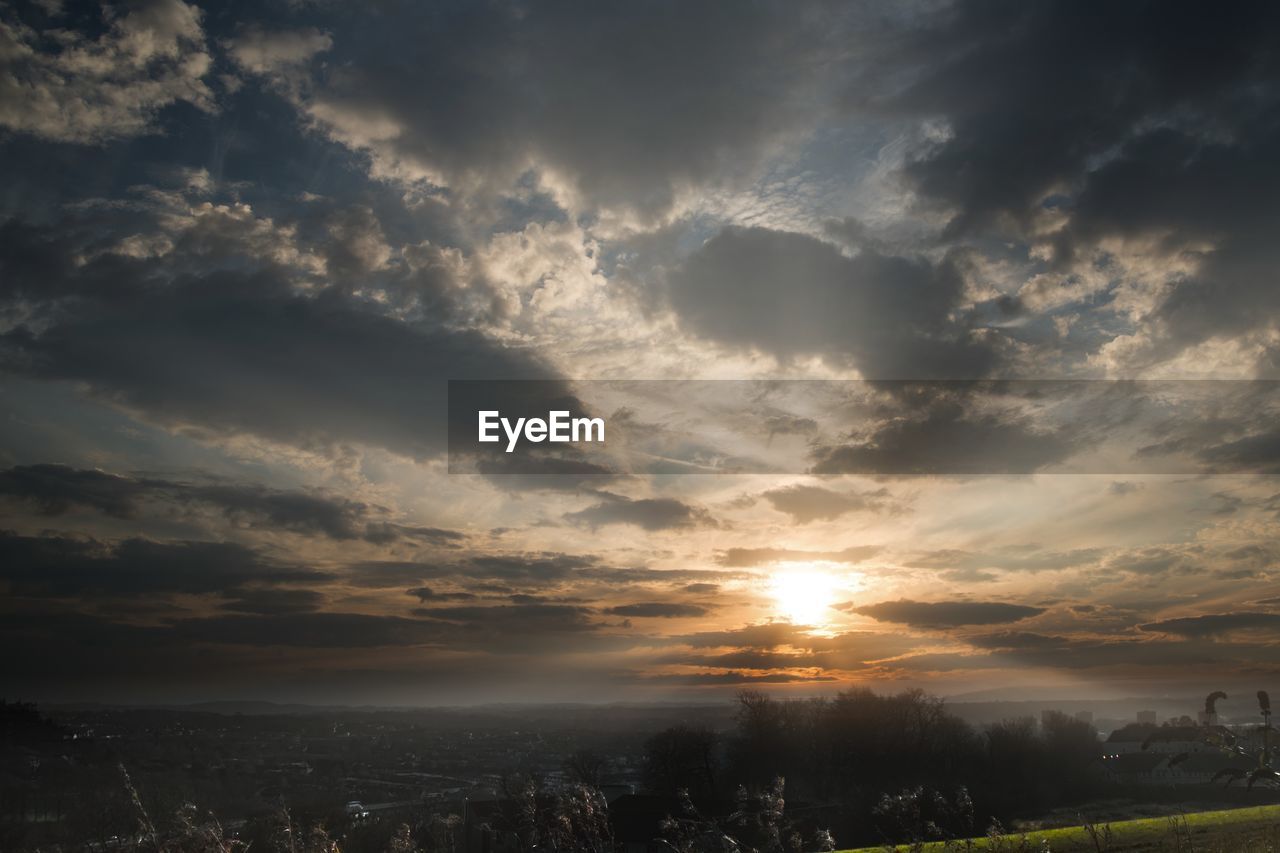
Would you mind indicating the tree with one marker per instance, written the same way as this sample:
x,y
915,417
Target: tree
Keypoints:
x,y
585,767
681,758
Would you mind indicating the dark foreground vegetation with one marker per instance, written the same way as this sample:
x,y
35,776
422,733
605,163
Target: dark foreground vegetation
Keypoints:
x,y
856,770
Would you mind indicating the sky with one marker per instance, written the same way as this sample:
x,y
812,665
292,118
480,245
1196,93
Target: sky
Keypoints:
x,y
245,246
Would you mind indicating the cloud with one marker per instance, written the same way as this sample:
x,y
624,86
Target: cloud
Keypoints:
x,y
65,566
267,52
54,489
737,677
806,504
948,438
793,296
645,513
532,568
307,630
503,626
1215,624
536,567
426,593
68,85
1018,558
1257,453
1126,657
213,337
1175,172
658,610
984,60
765,635
947,614
272,601
850,651
481,94
746,557
549,473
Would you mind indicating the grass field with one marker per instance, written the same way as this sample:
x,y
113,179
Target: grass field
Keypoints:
x,y
1250,829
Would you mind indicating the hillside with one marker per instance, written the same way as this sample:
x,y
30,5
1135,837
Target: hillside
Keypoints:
x,y
1228,830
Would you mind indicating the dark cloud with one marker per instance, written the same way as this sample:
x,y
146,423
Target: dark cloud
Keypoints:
x,y
947,614
376,661
792,295
426,593
813,503
948,437
485,92
504,625
213,337
54,489
745,557
533,567
1257,453
475,570
658,609
646,513
1134,143
65,566
1021,128
307,630
1215,624
1121,654
272,601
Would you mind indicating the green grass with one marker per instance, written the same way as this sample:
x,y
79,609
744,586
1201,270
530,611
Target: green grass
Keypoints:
x,y
1249,829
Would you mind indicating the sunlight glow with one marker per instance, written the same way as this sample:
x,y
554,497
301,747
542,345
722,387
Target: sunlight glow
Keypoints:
x,y
804,596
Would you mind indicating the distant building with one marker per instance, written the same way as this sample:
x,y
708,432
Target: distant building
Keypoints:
x,y
1157,740
1147,754
1148,717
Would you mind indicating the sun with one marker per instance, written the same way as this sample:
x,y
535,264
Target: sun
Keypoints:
x,y
804,596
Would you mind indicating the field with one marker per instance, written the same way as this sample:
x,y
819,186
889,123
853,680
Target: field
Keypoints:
x,y
1229,830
